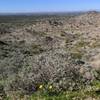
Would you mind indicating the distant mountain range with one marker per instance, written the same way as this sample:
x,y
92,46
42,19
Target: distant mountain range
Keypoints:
x,y
47,13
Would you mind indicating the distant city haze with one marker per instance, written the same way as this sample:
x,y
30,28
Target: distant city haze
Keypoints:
x,y
24,6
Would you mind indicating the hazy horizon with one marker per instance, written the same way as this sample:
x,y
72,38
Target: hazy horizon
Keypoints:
x,y
62,12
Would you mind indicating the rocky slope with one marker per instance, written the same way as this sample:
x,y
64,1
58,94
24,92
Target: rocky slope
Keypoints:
x,y
64,52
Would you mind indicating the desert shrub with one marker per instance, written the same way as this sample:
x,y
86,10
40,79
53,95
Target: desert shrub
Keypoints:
x,y
37,49
96,44
81,43
68,41
2,92
55,22
51,68
4,29
76,55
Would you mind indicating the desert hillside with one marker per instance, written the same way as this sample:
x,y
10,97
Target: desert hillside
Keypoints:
x,y
58,50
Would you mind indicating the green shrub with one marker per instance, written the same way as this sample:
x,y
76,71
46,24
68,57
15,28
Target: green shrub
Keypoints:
x,y
76,55
37,49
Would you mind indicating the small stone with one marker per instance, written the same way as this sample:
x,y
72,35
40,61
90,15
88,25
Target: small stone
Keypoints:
x,y
88,76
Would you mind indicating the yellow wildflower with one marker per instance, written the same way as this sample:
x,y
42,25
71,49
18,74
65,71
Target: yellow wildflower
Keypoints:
x,y
41,86
50,87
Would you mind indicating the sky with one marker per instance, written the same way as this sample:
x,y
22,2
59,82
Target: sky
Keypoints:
x,y
15,6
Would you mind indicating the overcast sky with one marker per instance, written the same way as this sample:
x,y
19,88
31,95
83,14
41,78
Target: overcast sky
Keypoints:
x,y
48,5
